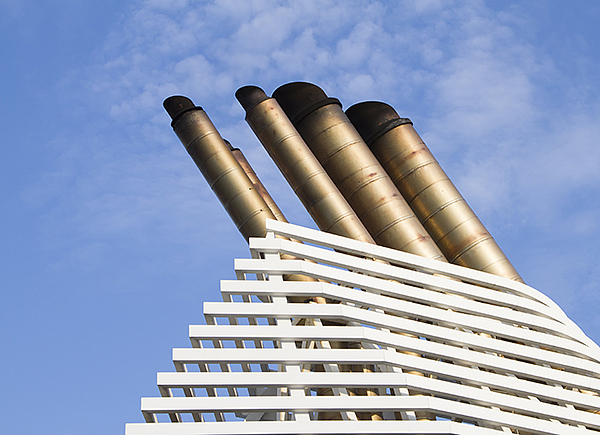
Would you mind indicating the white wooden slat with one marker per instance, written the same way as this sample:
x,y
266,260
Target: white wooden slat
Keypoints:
x,y
408,294
312,427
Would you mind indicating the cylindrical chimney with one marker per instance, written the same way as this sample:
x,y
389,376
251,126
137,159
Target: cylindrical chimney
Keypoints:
x,y
226,178
433,197
299,166
262,190
353,168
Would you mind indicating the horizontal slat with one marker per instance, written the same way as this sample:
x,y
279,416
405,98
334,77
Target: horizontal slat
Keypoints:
x,y
480,320
470,376
377,284
310,427
394,301
406,343
394,256
418,384
379,320
379,269
357,403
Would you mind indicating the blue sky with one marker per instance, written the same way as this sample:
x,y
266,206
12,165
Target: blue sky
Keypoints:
x,y
111,239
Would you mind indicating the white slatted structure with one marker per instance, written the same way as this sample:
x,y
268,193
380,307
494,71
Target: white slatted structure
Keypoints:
x,y
404,345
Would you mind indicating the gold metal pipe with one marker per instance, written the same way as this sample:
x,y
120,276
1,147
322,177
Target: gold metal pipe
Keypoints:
x,y
261,189
354,169
302,170
212,156
266,196
435,200
224,174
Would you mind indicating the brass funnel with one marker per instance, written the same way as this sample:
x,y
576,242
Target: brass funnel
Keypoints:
x,y
226,178
433,197
260,188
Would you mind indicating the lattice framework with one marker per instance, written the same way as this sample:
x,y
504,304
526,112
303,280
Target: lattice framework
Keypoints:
x,y
404,345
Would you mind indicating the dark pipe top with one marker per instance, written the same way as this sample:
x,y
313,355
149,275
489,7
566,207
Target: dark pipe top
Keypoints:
x,y
298,99
177,105
373,119
250,96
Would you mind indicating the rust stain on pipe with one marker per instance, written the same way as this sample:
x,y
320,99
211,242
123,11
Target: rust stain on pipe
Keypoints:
x,y
354,169
433,197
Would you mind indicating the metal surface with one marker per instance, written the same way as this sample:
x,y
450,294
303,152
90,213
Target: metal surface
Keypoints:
x,y
354,170
266,196
299,166
261,189
226,178
433,197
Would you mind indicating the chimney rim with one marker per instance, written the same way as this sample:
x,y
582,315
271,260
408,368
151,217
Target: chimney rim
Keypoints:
x,y
373,119
299,99
250,96
177,105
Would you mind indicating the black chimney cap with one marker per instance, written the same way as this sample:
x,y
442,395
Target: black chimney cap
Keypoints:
x,y
373,119
298,99
250,96
177,105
